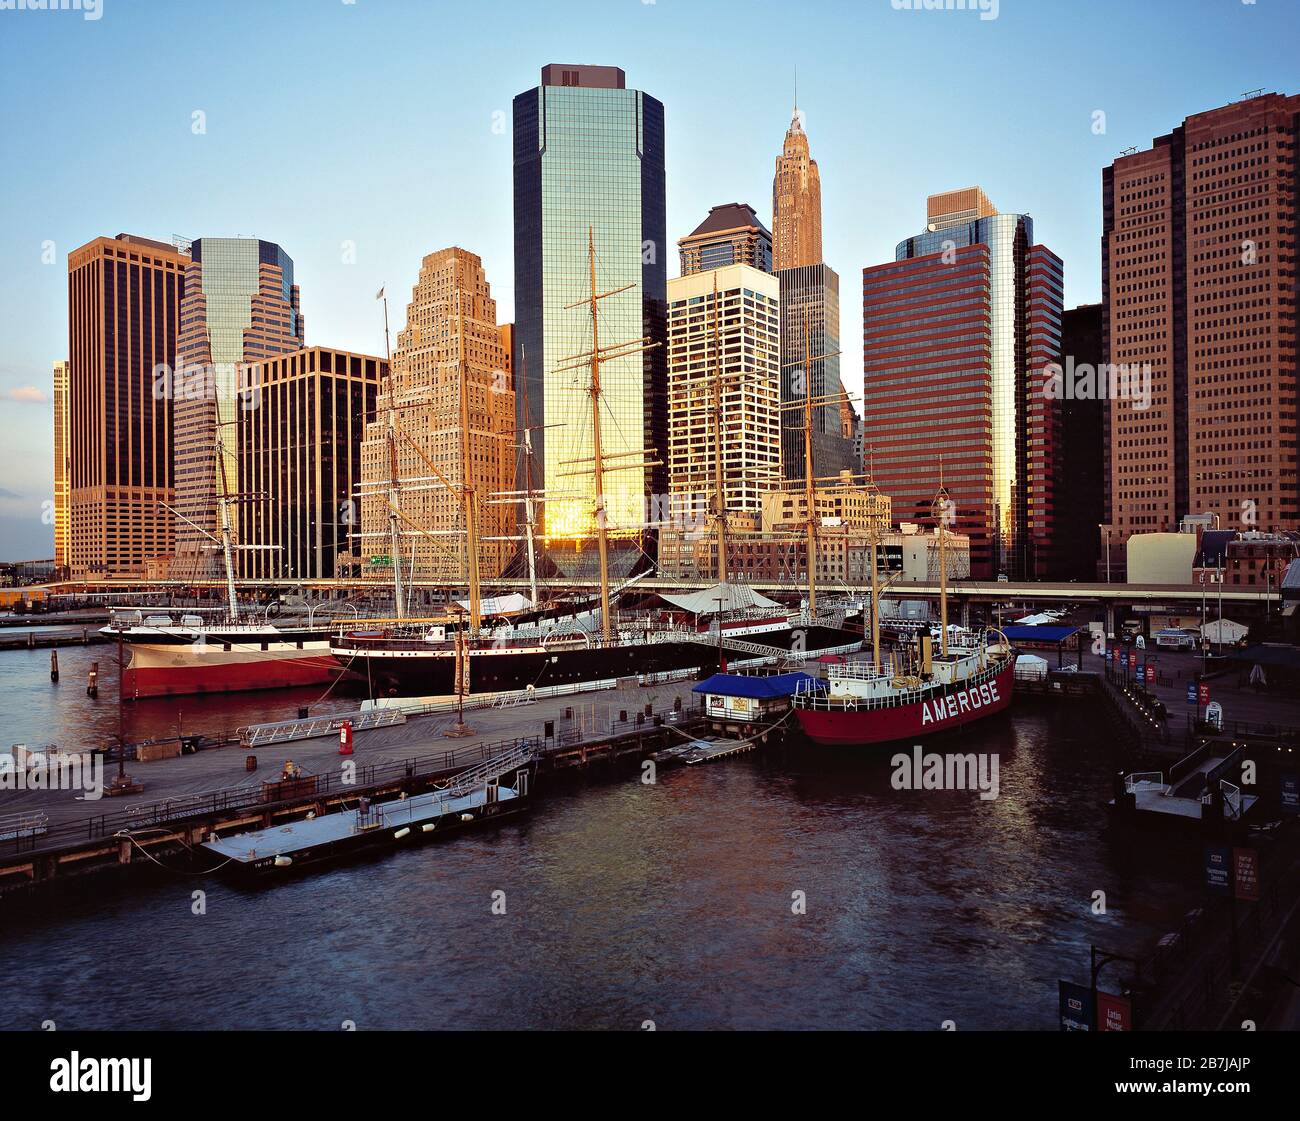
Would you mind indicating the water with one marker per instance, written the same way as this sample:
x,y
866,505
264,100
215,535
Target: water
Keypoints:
x,y
35,711
626,903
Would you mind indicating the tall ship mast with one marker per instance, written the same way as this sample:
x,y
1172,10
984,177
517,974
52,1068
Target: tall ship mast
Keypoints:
x,y
918,692
550,649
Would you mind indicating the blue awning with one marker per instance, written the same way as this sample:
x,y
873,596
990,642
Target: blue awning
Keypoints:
x,y
755,688
1039,634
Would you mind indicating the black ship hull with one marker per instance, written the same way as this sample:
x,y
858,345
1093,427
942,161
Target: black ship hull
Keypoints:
x,y
413,669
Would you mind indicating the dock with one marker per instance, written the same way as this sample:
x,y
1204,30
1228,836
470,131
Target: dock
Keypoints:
x,y
701,751
474,797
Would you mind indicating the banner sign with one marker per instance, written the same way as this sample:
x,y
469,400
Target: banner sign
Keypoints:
x,y
1245,866
1077,1012
1218,870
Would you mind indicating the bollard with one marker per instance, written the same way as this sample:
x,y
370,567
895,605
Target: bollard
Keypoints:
x,y
302,712
345,738
92,683
54,666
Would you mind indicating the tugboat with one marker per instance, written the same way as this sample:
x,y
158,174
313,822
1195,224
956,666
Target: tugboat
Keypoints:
x,y
860,704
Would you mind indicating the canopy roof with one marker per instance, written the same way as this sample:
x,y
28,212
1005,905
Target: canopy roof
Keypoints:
x,y
500,605
733,596
755,688
1039,634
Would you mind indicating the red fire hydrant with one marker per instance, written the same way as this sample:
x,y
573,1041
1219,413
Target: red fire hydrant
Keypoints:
x,y
345,738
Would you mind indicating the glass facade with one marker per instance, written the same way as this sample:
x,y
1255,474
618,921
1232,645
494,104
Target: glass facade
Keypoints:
x,y
241,305
590,157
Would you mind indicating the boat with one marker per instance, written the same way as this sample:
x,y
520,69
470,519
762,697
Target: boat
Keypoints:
x,y
467,654
177,654
858,704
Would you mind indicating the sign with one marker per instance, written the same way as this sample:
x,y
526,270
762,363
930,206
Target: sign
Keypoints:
x,y
382,561
1203,692
1291,794
1140,674
1077,1011
1123,658
1191,692
1114,1013
1245,866
1218,869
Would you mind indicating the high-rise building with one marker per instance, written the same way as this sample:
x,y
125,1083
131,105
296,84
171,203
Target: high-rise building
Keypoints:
x,y
1081,460
731,235
241,305
450,361
589,155
810,329
810,316
299,459
1199,239
124,297
733,335
796,202
61,464
957,333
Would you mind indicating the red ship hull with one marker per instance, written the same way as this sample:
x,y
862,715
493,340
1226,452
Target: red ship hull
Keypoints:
x,y
946,709
230,675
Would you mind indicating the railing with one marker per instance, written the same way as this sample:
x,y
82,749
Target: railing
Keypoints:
x,y
259,735
172,811
1154,778
25,823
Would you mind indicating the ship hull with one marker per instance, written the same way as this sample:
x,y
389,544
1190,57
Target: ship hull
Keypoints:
x,y
415,672
169,670
947,708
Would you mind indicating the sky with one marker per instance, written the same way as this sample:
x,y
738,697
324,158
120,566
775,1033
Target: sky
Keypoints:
x,y
363,134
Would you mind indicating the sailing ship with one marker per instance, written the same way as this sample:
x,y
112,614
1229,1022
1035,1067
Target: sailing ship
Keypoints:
x,y
858,704
462,656
176,653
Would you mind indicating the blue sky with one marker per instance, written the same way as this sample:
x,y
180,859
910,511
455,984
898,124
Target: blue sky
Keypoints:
x,y
385,123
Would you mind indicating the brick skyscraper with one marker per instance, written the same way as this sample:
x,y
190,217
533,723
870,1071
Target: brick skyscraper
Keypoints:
x,y
124,298
796,202
1199,281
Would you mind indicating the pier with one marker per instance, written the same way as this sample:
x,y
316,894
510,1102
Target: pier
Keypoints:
x,y
47,837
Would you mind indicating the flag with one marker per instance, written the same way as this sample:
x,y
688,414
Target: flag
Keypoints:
x,y
380,294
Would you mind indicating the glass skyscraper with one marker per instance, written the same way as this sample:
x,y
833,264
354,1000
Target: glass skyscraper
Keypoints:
x,y
588,152
240,305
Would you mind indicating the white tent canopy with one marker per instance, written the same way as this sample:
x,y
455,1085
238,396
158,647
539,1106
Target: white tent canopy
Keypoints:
x,y
1223,631
734,597
500,605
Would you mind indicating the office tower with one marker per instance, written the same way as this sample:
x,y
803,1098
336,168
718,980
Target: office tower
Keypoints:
x,y
737,339
796,202
241,305
299,453
1081,461
124,297
1199,237
61,465
730,235
810,328
451,346
810,316
957,333
589,154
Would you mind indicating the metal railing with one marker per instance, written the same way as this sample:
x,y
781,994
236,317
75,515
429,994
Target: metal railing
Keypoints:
x,y
172,811
283,731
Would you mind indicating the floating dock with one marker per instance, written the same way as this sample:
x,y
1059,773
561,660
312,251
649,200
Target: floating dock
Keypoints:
x,y
700,751
400,822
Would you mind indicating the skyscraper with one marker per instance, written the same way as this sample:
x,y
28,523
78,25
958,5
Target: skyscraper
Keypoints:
x,y
796,202
1199,238
957,334
299,451
810,315
731,235
589,154
241,305
451,344
61,464
1081,459
124,297
739,341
